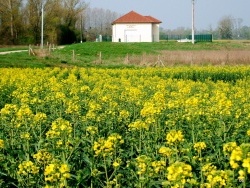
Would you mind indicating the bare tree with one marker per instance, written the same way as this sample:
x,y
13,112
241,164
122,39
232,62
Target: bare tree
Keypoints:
x,y
98,21
225,27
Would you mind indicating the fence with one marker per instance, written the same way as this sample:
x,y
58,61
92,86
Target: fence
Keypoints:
x,y
197,38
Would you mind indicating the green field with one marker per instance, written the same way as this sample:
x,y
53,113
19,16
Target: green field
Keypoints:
x,y
115,54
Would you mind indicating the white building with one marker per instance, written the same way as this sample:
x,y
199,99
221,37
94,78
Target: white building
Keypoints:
x,y
133,27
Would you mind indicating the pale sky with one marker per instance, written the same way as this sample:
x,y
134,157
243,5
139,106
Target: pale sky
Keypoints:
x,y
177,13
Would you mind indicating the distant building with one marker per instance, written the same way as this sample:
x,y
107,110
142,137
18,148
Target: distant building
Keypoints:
x,y
133,27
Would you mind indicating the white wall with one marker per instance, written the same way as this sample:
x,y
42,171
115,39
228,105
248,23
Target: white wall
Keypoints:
x,y
156,32
132,32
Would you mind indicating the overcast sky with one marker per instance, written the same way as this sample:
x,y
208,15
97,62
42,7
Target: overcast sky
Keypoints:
x,y
177,13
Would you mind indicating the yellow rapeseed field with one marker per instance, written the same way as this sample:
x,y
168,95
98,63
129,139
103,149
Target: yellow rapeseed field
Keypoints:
x,y
132,127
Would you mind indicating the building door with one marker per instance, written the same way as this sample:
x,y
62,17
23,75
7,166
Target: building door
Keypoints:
x,y
132,36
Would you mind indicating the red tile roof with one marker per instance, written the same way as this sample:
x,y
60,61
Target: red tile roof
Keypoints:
x,y
133,17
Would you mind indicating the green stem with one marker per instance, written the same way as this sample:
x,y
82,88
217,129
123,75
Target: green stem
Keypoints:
x,y
193,134
140,142
106,171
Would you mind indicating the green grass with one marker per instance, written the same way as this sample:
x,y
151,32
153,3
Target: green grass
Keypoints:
x,y
87,54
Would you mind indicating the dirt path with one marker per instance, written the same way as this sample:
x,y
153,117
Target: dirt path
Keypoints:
x,y
16,51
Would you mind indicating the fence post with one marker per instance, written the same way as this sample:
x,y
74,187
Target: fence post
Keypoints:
x,y
73,55
100,57
29,49
49,48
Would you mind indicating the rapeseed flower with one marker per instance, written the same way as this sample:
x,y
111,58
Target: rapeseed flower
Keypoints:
x,y
174,137
248,132
179,173
59,127
218,178
26,168
200,146
43,157
1,144
242,175
8,109
123,115
40,117
56,172
149,110
158,166
138,125
236,156
246,164
165,151
106,147
25,135
143,164
208,168
229,147
117,163
214,177
92,130
24,112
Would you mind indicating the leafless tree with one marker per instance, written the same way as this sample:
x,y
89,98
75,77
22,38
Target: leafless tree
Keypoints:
x,y
98,21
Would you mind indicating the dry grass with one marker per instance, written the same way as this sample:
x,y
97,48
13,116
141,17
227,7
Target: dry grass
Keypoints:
x,y
202,57
41,52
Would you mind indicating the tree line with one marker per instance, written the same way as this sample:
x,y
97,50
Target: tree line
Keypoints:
x,y
228,28
65,21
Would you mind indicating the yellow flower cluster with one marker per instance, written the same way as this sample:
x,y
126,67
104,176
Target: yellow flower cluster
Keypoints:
x,y
117,163
145,165
59,127
180,174
43,157
143,162
40,117
106,147
24,112
208,168
123,115
138,125
25,135
72,108
242,175
246,164
92,130
57,173
1,144
229,147
158,166
200,146
149,110
239,157
26,168
174,137
214,177
165,151
236,157
248,132
8,110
